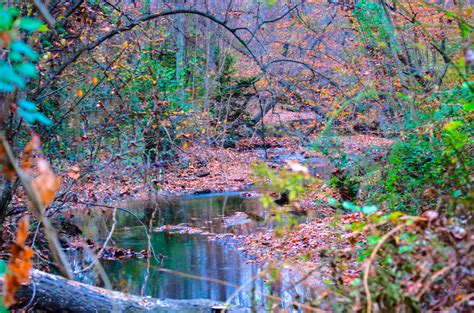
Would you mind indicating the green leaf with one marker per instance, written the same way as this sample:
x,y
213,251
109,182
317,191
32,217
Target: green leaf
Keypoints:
x,y
450,14
28,111
27,70
332,201
452,125
7,75
29,117
13,12
372,240
357,226
3,308
404,249
3,267
465,30
31,24
369,209
15,56
356,282
468,106
6,20
4,87
23,48
394,216
270,3
41,118
350,206
27,105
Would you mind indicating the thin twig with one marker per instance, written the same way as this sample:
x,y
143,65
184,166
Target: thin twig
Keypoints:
x,y
371,260
37,208
104,246
45,13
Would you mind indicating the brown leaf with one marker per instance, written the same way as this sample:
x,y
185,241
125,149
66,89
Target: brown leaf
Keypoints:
x,y
74,172
6,169
430,215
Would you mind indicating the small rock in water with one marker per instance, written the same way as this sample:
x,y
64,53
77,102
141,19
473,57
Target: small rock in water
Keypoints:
x,y
203,173
203,191
239,218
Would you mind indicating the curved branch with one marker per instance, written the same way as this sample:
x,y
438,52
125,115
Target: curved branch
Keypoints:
x,y
276,19
137,22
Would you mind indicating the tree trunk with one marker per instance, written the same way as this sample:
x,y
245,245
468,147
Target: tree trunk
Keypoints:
x,y
54,293
6,197
180,77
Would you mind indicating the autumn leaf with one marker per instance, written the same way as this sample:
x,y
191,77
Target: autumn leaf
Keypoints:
x,y
295,166
46,183
74,172
28,151
6,168
79,93
94,80
20,264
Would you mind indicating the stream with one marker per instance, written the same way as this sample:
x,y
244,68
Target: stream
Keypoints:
x,y
199,259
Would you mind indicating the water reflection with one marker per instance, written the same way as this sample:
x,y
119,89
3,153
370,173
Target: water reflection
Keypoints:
x,y
194,255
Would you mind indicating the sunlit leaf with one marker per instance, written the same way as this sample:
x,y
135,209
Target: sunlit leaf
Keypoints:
x,y
31,24
452,125
6,20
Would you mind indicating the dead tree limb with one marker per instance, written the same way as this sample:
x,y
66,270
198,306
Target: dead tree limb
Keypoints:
x,y
53,293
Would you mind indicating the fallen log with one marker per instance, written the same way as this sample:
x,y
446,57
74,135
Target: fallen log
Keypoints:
x,y
54,293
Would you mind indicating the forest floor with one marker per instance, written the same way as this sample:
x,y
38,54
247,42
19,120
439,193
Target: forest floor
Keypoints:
x,y
208,169
216,169
204,169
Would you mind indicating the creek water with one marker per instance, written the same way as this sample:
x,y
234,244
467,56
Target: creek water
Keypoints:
x,y
193,266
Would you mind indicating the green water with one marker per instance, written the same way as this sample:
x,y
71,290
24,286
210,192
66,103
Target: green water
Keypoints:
x,y
189,254
195,255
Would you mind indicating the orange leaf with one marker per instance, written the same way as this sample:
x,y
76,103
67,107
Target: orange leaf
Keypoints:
x,y
33,144
27,157
46,183
20,264
94,80
79,93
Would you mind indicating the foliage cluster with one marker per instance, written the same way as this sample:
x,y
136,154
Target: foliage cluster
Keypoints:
x,y
416,202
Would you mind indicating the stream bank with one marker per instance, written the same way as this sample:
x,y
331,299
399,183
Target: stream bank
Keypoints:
x,y
193,265
233,256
